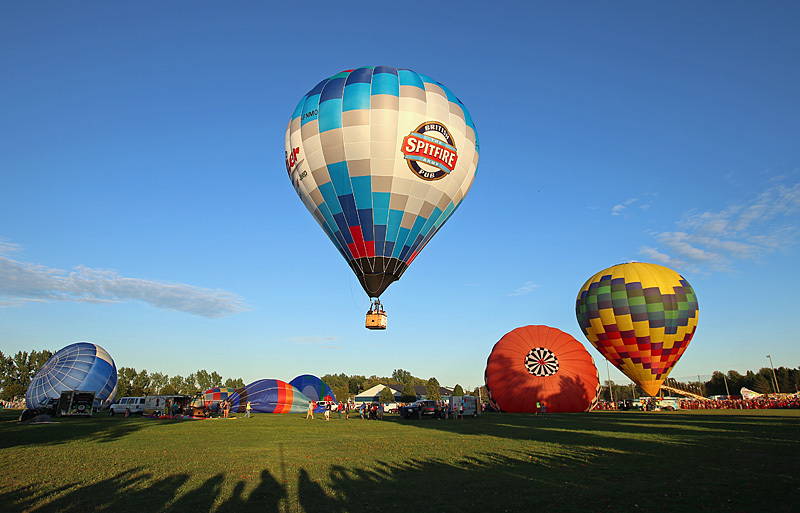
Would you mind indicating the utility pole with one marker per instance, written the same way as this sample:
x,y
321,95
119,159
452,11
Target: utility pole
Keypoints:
x,y
728,392
610,392
775,377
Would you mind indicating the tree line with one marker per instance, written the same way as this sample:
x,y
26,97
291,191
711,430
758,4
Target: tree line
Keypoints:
x,y
133,383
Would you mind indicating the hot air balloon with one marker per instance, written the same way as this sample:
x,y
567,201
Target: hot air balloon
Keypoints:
x,y
641,317
214,396
541,364
81,366
269,396
381,157
314,388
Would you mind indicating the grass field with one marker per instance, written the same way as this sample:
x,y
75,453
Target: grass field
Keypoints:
x,y
603,461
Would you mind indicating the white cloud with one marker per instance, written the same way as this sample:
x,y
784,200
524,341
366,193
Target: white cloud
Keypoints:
x,y
527,288
619,209
23,281
744,231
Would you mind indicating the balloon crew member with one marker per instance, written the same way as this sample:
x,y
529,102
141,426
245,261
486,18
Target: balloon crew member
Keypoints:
x,y
310,412
248,409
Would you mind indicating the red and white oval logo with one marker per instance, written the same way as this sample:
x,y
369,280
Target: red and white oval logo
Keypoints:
x,y
430,151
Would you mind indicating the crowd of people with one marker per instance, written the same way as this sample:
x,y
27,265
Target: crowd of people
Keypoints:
x,y
733,403
757,403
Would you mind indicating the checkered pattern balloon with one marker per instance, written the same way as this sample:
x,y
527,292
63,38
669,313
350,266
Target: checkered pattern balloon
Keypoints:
x,y
641,317
381,157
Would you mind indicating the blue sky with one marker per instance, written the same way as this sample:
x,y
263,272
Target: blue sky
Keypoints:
x,y
145,206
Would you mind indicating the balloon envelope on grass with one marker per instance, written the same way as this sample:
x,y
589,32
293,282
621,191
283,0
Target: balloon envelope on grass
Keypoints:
x,y
541,364
81,366
314,388
269,396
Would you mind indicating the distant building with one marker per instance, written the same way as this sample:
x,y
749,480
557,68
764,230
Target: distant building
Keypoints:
x,y
371,395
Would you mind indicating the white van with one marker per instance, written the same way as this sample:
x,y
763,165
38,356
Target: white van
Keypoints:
x,y
130,405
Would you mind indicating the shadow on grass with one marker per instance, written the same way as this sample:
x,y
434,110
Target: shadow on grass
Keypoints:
x,y
569,465
486,483
66,430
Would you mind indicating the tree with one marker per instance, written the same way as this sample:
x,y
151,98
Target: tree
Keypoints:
x,y
762,385
234,383
140,383
408,395
432,390
403,376
158,381
458,391
386,395
125,376
204,381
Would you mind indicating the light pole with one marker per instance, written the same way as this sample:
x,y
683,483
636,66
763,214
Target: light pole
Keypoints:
x,y
610,392
777,390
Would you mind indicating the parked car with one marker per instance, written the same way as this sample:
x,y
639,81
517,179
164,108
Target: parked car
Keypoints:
x,y
130,405
419,409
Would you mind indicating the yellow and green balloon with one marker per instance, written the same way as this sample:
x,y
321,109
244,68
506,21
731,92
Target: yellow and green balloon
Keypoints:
x,y
641,317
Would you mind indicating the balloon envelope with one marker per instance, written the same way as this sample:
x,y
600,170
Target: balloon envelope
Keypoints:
x,y
539,363
269,396
381,157
81,366
313,388
641,317
214,396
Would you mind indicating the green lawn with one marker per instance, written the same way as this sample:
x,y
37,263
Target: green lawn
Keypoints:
x,y
604,461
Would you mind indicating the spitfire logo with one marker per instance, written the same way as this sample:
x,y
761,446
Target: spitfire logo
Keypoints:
x,y
428,155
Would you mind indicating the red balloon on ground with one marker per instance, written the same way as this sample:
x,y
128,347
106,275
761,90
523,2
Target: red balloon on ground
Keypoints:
x,y
544,364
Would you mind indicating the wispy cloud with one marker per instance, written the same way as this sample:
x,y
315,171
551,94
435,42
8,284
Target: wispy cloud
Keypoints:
x,y
21,282
745,231
527,288
617,210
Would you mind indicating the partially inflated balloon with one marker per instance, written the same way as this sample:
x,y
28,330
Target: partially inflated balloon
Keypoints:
x,y
541,364
381,157
81,366
314,388
269,396
641,317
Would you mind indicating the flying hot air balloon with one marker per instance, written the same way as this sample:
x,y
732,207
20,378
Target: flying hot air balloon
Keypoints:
x,y
381,157
641,317
541,364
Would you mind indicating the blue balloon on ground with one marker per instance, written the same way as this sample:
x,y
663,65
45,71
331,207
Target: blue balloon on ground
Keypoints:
x,y
269,396
314,388
81,366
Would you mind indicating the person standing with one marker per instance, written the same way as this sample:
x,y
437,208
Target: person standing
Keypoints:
x,y
327,412
538,408
544,410
310,412
347,411
248,409
361,411
339,408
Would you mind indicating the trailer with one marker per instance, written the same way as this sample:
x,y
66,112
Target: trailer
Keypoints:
x,y
76,403
471,405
